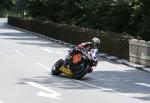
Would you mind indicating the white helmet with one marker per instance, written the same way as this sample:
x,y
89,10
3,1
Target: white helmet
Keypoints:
x,y
95,42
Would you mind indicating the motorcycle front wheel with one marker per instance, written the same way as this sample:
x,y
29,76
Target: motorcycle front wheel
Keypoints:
x,y
79,73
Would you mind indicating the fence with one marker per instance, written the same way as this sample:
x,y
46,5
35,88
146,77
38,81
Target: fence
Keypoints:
x,y
139,51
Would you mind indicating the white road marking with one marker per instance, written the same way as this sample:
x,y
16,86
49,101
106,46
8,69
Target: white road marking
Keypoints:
x,y
48,92
1,101
78,80
52,52
125,94
43,66
104,89
91,85
135,94
19,52
48,95
143,84
45,49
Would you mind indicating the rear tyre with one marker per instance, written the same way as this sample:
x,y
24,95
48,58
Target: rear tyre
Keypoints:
x,y
56,68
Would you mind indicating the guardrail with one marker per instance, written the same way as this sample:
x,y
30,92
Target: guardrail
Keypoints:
x,y
139,51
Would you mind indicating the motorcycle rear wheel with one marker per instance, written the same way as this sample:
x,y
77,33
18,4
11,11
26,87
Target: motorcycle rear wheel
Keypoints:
x,y
56,67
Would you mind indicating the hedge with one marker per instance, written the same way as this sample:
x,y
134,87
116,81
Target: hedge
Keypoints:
x,y
112,44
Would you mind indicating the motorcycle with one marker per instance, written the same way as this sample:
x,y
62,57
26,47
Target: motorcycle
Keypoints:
x,y
79,64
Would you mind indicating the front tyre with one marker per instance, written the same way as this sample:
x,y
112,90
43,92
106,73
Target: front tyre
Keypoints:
x,y
56,67
82,72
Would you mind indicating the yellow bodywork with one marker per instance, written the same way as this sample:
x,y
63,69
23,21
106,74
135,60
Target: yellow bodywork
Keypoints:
x,y
66,71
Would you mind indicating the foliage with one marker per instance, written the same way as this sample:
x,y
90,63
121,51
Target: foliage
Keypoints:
x,y
131,16
75,35
5,5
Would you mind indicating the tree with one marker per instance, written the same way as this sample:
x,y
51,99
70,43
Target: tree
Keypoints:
x,y
131,16
45,9
5,5
36,8
140,20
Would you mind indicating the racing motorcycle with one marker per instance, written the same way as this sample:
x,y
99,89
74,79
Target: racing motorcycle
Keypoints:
x,y
79,64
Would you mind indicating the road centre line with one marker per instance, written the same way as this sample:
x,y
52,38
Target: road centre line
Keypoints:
x,y
19,52
143,84
79,80
52,52
45,49
91,85
104,89
43,66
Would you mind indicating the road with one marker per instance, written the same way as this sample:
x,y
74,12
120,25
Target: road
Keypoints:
x,y
25,63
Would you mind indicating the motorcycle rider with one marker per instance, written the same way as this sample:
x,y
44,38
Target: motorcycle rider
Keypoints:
x,y
94,44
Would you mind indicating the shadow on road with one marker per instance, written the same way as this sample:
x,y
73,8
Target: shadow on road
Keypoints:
x,y
116,81
24,38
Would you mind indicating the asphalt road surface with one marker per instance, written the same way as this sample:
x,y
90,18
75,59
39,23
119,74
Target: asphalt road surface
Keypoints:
x,y
25,64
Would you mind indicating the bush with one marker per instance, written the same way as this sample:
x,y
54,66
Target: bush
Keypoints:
x,y
113,44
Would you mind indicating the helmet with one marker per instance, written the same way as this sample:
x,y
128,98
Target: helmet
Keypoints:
x,y
95,42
